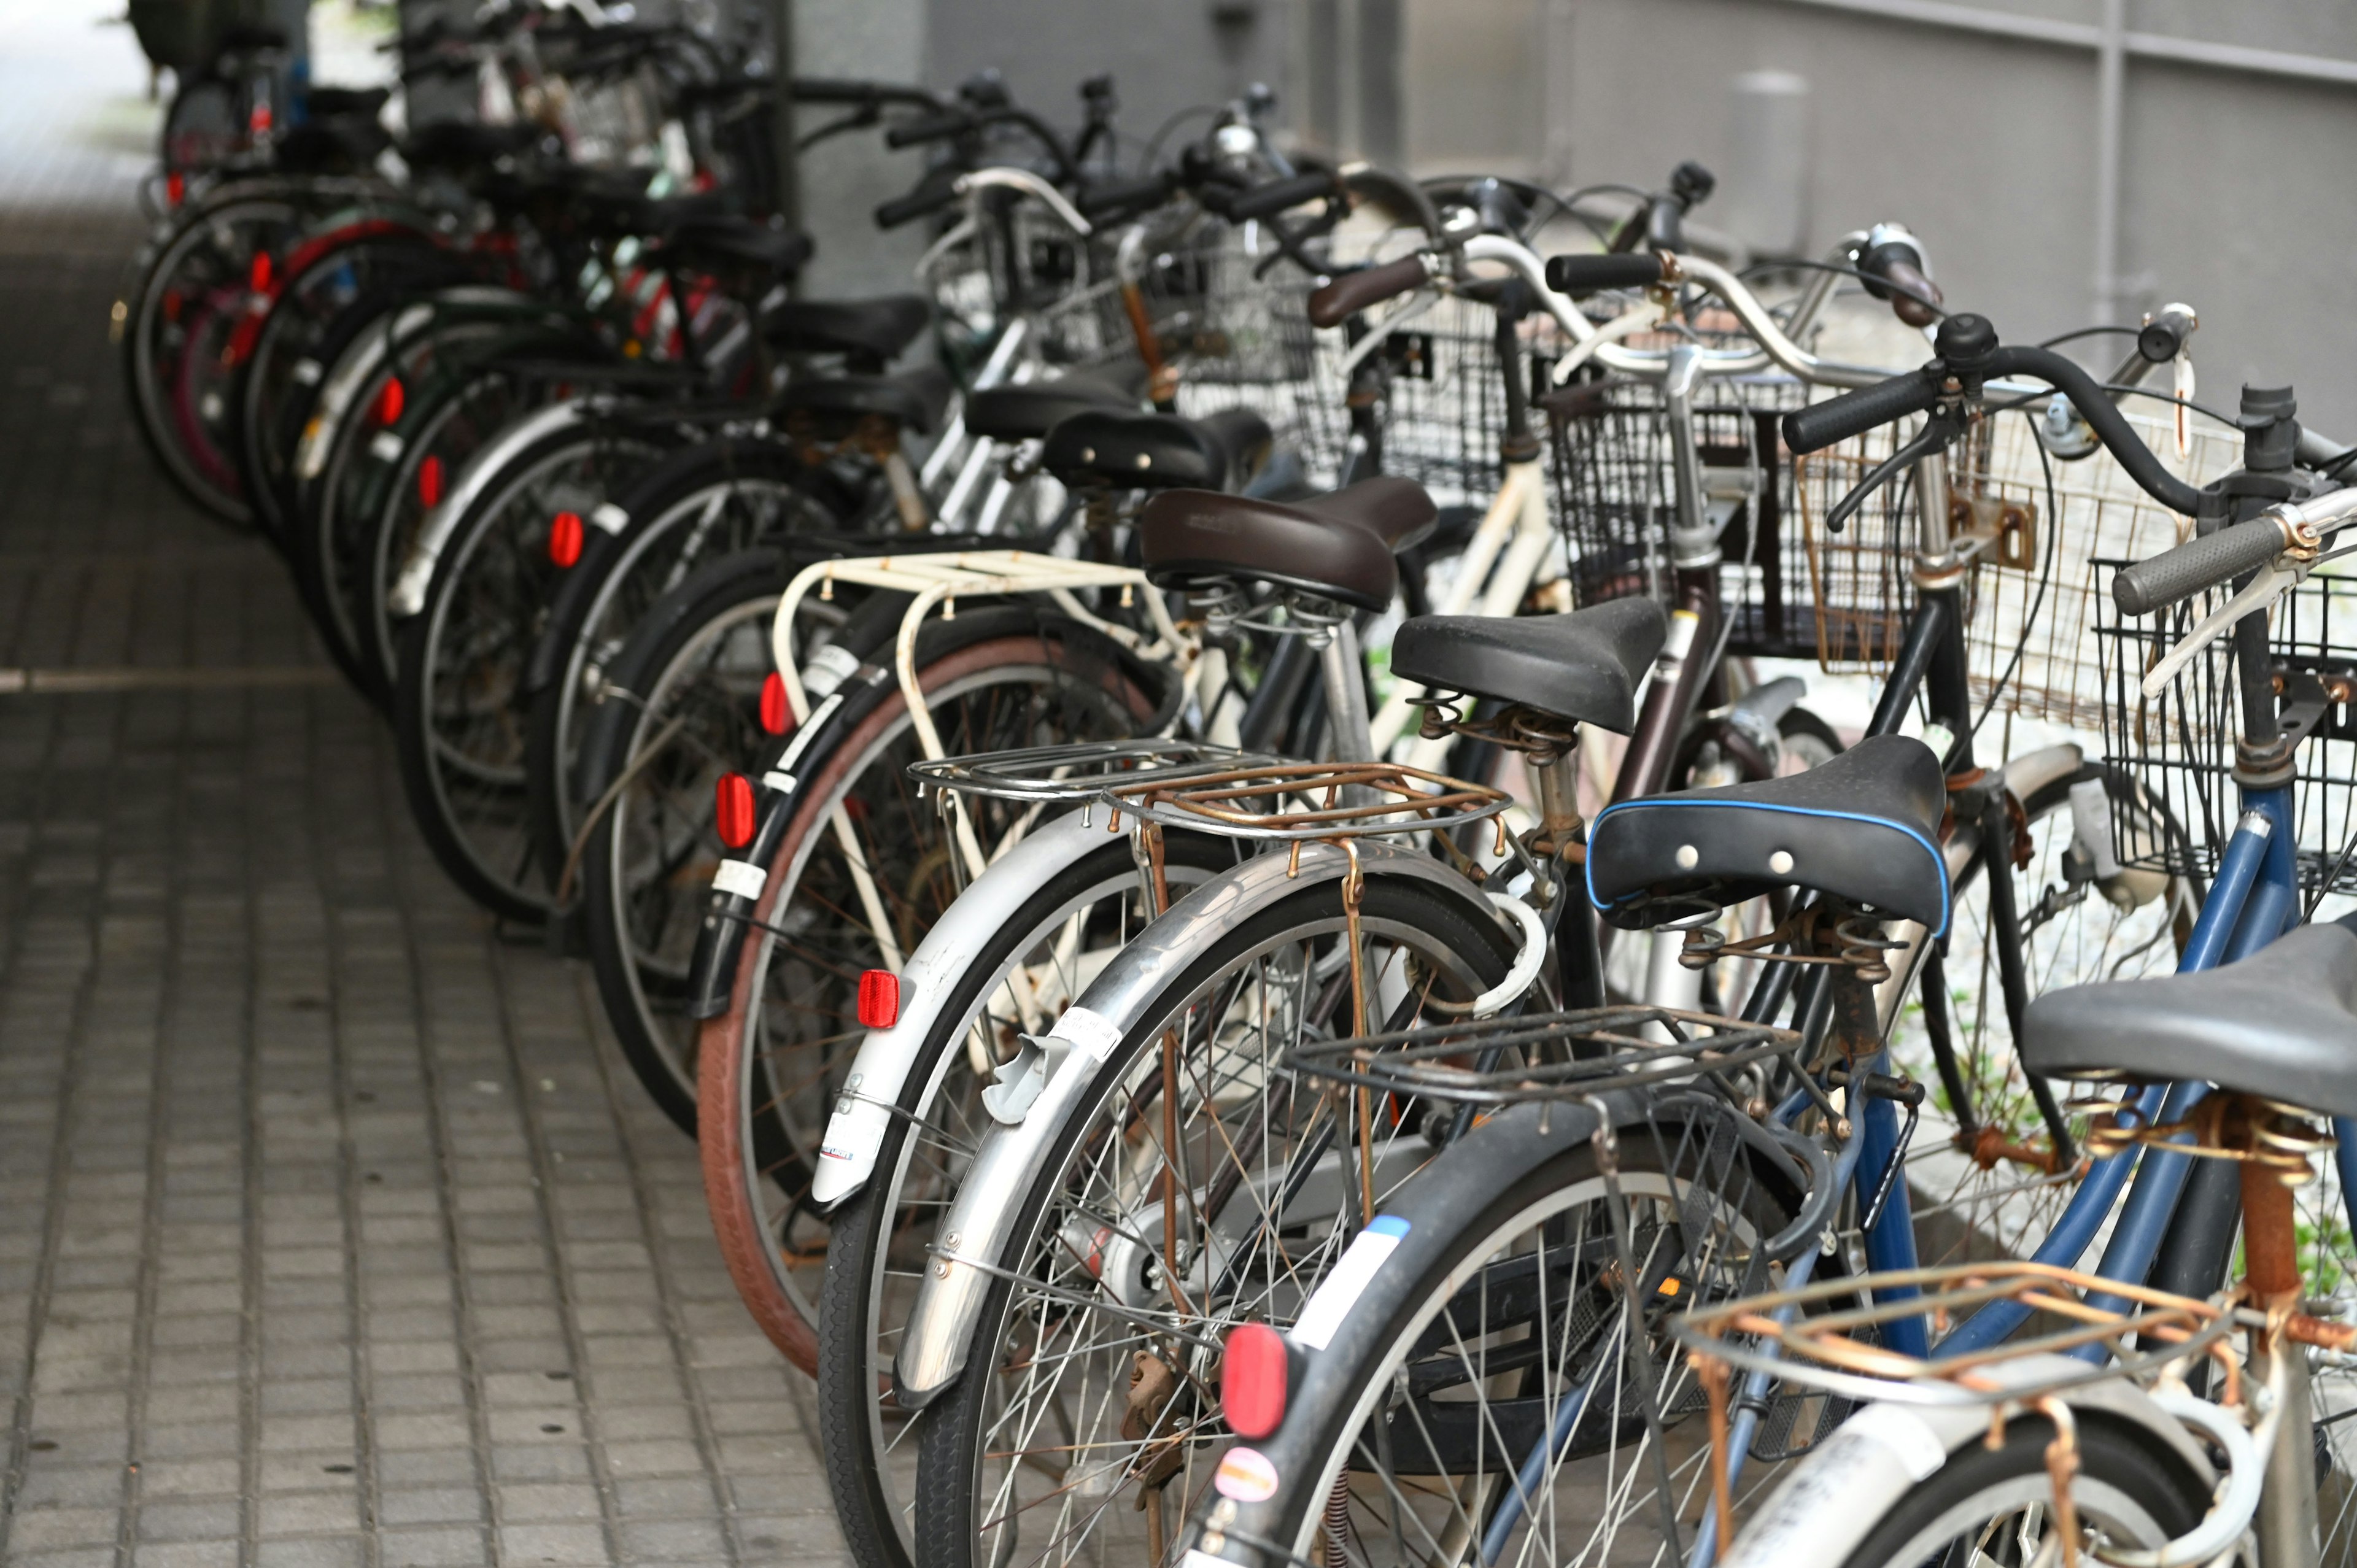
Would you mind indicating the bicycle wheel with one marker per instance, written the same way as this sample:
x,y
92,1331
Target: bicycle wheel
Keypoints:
x,y
180,317
693,507
281,366
683,708
769,1070
1996,1504
1483,1401
458,710
879,1237
1985,1191
1197,1186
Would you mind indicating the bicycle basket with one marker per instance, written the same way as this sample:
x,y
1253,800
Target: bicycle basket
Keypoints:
x,y
1614,450
2180,744
2038,592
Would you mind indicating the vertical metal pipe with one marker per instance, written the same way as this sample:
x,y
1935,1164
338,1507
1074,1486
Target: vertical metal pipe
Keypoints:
x,y
789,192
2111,94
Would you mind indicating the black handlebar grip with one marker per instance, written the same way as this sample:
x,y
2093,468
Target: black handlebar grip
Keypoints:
x,y
1267,200
1586,274
2197,564
916,204
1118,197
930,128
1333,303
2162,339
1821,424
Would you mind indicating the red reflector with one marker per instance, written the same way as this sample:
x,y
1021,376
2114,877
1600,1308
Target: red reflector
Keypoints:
x,y
1251,1380
880,998
388,403
733,813
175,187
565,537
429,480
258,275
775,717
260,118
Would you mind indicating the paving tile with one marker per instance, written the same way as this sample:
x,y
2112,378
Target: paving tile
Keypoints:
x,y
360,1267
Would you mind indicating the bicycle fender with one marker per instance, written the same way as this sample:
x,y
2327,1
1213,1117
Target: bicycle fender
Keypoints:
x,y
408,595
949,1298
2028,774
846,1157
1853,1478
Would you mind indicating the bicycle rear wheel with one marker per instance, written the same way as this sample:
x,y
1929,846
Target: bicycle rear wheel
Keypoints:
x,y
769,1070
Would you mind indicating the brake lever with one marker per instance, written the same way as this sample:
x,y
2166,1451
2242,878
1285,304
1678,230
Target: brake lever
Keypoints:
x,y
2260,591
1938,431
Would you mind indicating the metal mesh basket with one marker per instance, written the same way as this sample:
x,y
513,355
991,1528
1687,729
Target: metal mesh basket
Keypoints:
x,y
1616,500
1233,319
1445,395
2038,593
2180,746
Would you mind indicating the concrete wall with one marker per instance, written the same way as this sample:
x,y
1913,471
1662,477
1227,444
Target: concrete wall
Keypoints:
x,y
1987,147
845,177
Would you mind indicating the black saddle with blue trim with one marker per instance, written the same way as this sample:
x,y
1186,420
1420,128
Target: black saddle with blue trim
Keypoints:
x,y
1862,827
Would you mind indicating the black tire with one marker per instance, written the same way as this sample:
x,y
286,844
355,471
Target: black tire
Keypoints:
x,y
705,644
301,322
770,1067
204,259
666,536
878,1237
458,709
1477,1228
968,1518
2130,1485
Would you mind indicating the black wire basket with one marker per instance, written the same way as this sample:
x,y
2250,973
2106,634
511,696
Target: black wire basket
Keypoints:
x,y
2180,744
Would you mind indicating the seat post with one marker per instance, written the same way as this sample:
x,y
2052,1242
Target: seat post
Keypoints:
x,y
1346,691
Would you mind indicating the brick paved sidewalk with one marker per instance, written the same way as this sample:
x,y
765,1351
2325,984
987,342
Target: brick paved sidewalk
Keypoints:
x,y
332,1230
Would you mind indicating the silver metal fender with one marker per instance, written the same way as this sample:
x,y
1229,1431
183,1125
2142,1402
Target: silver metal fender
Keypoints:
x,y
878,1073
976,1231
1820,1512
2028,774
408,595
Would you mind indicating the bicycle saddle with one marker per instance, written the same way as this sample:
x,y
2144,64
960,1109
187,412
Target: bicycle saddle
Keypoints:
x,y
870,333
1119,450
1028,412
1339,545
1861,827
914,400
2282,1024
330,102
459,145
1585,666
710,243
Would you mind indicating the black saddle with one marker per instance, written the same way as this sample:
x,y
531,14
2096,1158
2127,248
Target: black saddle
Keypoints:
x,y
2282,1024
914,400
1108,448
869,333
457,145
1340,545
1585,666
726,243
332,102
1028,412
1861,827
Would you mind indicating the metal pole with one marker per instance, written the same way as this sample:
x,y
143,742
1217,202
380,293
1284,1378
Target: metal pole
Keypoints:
x,y
789,192
2111,90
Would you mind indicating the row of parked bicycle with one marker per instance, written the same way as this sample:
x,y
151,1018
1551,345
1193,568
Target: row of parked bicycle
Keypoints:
x,y
1088,787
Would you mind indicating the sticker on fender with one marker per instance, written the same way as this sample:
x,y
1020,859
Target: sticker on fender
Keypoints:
x,y
1340,1290
1245,1475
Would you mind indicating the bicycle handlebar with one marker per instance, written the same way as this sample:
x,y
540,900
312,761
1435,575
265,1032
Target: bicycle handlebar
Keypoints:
x,y
1821,424
930,197
1970,357
2198,565
938,127
1274,197
1582,275
1332,302
1118,198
